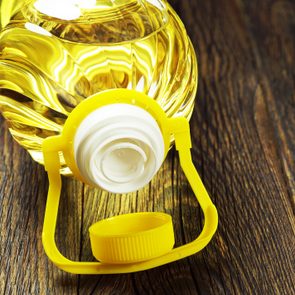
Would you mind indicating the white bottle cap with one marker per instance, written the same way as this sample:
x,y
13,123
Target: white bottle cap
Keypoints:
x,y
119,147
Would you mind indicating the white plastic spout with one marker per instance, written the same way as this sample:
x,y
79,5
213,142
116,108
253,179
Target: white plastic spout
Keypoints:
x,y
119,147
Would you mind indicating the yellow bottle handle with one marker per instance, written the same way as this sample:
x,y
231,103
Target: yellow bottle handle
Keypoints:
x,y
179,127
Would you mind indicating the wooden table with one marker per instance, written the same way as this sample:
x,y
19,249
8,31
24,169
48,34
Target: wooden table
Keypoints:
x,y
243,147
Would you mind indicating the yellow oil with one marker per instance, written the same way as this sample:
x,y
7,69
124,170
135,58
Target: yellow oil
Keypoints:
x,y
48,65
7,9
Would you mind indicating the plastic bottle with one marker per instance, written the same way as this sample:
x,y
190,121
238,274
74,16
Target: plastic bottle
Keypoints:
x,y
101,89
54,54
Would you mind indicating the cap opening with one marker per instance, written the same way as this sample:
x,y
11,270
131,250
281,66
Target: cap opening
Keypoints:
x,y
123,162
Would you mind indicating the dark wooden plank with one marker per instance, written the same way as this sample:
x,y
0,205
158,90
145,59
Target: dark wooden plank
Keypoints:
x,y
275,38
230,125
255,242
243,146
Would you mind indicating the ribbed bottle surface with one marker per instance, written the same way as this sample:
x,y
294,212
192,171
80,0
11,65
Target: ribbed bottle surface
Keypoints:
x,y
50,61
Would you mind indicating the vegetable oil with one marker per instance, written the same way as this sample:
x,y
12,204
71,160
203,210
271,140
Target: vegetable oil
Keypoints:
x,y
55,54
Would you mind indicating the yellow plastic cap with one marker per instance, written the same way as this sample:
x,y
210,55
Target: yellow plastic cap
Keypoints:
x,y
132,238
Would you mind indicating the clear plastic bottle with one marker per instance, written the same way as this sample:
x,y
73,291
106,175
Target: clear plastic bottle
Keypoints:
x,y
54,54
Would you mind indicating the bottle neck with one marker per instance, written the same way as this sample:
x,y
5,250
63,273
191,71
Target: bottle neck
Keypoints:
x,y
119,147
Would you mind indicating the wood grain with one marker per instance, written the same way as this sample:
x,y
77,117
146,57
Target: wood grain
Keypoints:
x,y
243,146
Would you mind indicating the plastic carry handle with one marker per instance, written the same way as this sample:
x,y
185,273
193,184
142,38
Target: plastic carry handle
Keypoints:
x,y
51,147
